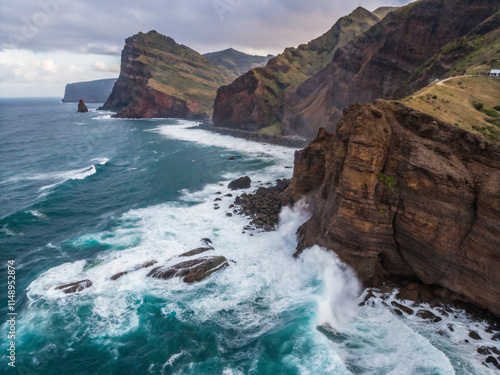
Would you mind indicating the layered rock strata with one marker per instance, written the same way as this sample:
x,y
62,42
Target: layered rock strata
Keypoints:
x,y
399,194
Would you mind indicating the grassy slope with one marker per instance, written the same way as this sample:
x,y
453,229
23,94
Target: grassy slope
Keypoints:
x,y
485,54
475,53
236,61
453,101
179,71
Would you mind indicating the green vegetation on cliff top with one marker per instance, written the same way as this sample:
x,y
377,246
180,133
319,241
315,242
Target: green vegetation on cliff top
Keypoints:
x,y
235,61
471,103
179,71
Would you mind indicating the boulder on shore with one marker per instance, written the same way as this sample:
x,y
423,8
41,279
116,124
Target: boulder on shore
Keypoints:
x,y
240,183
82,107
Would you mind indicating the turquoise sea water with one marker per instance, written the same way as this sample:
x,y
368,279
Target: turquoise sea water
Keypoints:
x,y
84,196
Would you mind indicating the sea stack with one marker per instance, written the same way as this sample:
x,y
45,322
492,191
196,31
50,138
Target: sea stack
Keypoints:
x,y
82,107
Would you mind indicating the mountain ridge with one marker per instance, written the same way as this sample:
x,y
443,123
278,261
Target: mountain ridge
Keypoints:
x,y
255,100
160,78
236,61
379,62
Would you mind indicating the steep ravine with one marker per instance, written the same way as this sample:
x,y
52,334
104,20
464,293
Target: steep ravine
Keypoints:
x,y
400,195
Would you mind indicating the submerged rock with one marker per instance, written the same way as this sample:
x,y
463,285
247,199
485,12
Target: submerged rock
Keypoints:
x,y
116,276
138,267
240,183
75,287
82,107
191,270
196,251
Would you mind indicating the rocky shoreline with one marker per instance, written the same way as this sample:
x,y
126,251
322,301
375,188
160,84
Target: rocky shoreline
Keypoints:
x,y
295,142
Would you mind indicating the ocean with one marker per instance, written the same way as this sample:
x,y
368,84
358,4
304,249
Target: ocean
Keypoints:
x,y
85,196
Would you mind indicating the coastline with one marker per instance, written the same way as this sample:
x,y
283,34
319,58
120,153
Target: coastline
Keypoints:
x,y
256,137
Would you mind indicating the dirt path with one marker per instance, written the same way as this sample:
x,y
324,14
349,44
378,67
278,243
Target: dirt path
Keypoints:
x,y
440,82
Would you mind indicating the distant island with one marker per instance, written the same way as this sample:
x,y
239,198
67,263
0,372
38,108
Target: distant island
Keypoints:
x,y
89,91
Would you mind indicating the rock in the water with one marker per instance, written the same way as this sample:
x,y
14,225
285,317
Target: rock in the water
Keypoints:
x,y
116,276
487,350
138,267
82,107
196,251
426,314
493,361
402,307
191,270
75,287
206,241
146,265
240,183
474,335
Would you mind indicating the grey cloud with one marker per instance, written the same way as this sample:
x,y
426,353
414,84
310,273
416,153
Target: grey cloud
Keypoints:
x,y
100,66
101,27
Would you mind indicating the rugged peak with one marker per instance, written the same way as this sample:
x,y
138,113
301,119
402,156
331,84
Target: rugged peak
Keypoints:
x,y
236,61
383,11
160,78
359,11
256,100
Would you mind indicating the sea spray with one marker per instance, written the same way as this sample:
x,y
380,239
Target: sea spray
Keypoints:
x,y
337,303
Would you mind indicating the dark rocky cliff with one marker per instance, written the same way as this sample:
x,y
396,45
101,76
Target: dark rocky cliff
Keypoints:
x,y
90,91
399,194
160,78
379,63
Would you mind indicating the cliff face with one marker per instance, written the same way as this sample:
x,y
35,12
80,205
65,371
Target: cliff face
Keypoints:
x,y
399,194
379,63
256,99
90,92
160,78
476,52
235,61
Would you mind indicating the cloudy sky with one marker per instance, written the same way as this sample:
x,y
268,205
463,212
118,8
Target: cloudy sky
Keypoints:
x,y
45,44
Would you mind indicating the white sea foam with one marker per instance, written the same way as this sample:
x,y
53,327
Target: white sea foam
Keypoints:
x,y
57,178
263,284
61,177
172,359
100,161
185,131
7,231
37,214
106,116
